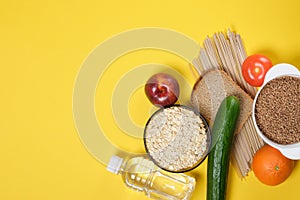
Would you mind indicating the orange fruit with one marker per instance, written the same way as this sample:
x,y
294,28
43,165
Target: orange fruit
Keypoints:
x,y
270,166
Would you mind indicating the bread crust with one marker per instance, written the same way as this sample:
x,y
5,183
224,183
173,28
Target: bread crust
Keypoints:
x,y
206,99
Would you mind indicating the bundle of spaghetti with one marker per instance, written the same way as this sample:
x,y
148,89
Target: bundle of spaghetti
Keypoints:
x,y
227,52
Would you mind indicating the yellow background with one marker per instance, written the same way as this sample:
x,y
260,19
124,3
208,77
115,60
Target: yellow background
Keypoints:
x,y
43,44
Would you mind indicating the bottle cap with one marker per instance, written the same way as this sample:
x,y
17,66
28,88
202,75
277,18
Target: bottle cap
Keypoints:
x,y
114,164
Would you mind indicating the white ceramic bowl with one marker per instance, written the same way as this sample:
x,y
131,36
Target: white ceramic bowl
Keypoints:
x,y
291,151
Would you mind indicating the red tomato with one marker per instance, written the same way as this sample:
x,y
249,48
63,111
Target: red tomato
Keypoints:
x,y
254,69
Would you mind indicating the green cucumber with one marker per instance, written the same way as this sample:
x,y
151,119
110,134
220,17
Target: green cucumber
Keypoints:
x,y
219,156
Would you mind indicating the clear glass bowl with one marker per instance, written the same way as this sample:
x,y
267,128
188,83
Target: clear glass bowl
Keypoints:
x,y
207,142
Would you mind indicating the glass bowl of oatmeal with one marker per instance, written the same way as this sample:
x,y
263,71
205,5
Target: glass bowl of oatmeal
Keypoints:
x,y
177,138
276,110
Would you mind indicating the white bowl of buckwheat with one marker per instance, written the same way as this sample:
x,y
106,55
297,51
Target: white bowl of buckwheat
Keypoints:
x,y
276,110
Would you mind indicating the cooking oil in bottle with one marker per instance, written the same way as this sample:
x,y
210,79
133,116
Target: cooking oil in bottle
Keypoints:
x,y
142,174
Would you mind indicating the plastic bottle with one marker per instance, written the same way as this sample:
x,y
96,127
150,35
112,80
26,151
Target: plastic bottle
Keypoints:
x,y
142,174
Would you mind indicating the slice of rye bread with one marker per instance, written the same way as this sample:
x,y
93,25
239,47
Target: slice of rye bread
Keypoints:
x,y
210,90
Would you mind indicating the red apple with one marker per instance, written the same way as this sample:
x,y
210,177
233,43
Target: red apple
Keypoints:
x,y
162,89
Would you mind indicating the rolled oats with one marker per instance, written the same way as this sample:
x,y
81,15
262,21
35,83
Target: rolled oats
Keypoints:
x,y
176,138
